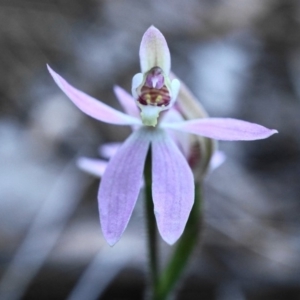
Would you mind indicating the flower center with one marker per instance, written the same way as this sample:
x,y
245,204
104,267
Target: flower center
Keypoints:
x,y
154,91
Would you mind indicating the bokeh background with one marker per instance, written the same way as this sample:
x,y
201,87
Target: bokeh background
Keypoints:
x,y
240,58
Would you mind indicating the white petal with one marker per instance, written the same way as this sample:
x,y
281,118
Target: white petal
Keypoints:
x,y
154,51
136,82
175,86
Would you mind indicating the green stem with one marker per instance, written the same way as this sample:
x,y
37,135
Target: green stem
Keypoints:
x,y
182,252
151,224
162,286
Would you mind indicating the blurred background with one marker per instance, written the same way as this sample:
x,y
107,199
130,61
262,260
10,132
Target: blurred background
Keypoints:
x,y
240,58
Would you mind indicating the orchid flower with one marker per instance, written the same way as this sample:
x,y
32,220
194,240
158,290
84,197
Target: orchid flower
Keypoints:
x,y
172,178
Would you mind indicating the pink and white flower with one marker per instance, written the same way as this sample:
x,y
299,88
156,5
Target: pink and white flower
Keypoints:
x,y
172,178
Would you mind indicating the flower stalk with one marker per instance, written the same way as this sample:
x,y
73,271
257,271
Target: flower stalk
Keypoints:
x,y
183,250
151,224
162,285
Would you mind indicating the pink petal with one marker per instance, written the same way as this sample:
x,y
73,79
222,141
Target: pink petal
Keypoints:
x,y
95,167
172,187
120,185
108,150
91,106
171,115
127,101
217,160
181,139
223,129
154,51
